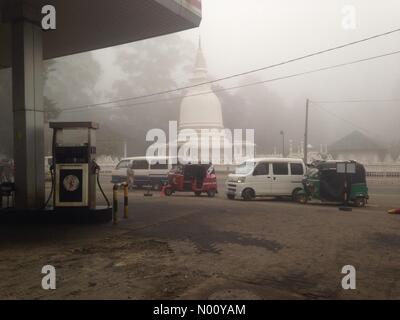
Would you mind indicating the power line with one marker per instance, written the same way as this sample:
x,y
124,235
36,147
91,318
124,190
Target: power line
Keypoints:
x,y
242,86
247,72
347,121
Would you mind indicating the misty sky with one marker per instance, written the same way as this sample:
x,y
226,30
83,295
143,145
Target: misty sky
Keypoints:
x,y
238,36
241,35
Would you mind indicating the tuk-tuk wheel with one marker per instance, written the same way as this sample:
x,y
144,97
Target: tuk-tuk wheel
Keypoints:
x,y
359,202
211,193
231,196
168,191
197,193
300,198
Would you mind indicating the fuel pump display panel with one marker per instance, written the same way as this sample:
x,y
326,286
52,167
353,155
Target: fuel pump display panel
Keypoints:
x,y
72,154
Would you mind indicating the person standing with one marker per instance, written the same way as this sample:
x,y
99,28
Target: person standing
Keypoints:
x,y
130,175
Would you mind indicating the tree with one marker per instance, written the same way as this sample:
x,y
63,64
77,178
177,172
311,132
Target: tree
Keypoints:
x,y
149,66
70,81
67,81
255,107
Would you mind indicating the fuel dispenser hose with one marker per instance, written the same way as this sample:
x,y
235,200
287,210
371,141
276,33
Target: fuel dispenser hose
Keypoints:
x,y
52,187
97,168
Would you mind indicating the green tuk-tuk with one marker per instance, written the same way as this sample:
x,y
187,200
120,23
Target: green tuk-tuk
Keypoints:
x,y
324,181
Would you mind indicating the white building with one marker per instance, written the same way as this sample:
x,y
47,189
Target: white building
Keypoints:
x,y
201,111
200,107
359,147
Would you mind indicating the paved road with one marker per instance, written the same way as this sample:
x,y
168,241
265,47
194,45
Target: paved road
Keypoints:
x,y
188,247
384,193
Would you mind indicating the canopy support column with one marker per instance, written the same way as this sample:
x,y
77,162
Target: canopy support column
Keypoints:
x,y
27,88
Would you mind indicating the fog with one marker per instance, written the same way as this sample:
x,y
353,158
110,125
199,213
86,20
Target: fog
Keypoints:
x,y
238,36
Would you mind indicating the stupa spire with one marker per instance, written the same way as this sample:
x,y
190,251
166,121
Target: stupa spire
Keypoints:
x,y
200,68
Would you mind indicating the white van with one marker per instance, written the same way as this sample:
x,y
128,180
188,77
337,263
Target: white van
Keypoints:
x,y
148,171
266,177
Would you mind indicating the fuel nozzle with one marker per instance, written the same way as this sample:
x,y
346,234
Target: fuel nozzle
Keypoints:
x,y
95,166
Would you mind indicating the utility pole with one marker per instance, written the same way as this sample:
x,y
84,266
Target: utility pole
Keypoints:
x,y
125,149
283,143
306,134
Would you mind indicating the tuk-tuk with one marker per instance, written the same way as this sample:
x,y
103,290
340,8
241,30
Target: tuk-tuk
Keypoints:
x,y
325,182
197,178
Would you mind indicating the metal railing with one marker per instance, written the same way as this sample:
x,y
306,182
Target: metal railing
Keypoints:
x,y
383,170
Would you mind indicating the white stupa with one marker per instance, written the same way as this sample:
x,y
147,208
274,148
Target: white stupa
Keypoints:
x,y
200,111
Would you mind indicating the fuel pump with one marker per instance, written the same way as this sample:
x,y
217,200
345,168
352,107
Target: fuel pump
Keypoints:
x,y
75,171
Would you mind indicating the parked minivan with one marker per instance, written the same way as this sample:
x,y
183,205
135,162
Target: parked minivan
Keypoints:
x,y
148,171
266,177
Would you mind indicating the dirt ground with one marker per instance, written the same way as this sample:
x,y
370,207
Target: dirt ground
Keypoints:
x,y
184,247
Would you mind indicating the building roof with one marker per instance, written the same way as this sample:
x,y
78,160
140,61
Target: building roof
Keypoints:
x,y
355,141
85,25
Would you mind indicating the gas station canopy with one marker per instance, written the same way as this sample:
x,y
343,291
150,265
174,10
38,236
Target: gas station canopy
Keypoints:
x,y
85,25
81,25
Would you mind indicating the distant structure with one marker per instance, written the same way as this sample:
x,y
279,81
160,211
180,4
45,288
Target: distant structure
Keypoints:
x,y
200,111
357,146
379,160
297,151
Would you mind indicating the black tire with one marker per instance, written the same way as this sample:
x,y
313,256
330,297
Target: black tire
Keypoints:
x,y
168,192
299,197
231,196
359,202
197,193
211,193
248,194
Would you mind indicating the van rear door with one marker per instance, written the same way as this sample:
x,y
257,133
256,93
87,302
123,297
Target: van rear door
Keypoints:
x,y
297,171
158,172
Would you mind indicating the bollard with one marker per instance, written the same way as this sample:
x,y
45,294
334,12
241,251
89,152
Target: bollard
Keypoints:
x,y
125,201
115,204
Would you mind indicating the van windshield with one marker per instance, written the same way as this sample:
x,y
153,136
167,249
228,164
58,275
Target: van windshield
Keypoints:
x,y
123,164
245,167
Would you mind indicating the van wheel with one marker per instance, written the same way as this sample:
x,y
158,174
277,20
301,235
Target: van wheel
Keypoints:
x,y
248,194
359,202
197,193
168,191
211,193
